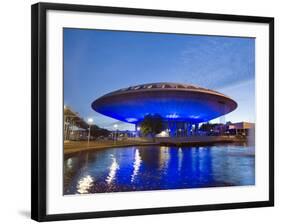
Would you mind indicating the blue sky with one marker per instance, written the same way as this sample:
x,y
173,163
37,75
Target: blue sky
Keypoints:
x,y
97,62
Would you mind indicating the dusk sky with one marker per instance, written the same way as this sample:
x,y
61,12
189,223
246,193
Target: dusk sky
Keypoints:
x,y
97,62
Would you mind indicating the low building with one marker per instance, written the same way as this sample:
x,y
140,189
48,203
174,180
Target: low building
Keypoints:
x,y
75,128
241,128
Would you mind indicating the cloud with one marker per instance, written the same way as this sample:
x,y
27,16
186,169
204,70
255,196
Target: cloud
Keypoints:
x,y
217,61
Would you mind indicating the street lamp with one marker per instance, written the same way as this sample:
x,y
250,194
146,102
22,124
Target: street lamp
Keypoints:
x,y
180,132
90,121
138,131
115,126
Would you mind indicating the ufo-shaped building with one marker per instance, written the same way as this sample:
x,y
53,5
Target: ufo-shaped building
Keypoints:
x,y
180,105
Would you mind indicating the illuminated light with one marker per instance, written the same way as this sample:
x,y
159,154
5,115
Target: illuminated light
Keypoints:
x,y
194,117
137,164
173,116
90,120
162,134
138,128
85,184
131,120
112,171
115,126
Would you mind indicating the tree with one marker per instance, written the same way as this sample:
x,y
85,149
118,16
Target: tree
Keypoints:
x,y
96,131
207,127
151,125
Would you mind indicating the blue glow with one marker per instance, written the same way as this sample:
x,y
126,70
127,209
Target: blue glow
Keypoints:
x,y
133,108
155,168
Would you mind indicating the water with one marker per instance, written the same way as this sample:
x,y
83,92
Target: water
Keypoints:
x,y
158,168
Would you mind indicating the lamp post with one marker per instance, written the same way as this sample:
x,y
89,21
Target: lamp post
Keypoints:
x,y
90,121
180,132
115,136
138,132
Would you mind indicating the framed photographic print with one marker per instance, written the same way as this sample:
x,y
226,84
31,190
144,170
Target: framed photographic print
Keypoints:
x,y
139,111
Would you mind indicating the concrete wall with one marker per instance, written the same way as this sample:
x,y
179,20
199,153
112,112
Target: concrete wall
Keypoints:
x,y
196,139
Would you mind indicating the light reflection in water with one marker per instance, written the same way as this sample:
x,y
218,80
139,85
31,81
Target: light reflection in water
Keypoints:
x,y
156,168
112,171
85,184
69,163
164,158
180,157
201,153
136,165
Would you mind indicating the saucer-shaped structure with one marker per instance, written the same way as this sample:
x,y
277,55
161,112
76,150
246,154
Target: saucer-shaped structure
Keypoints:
x,y
172,101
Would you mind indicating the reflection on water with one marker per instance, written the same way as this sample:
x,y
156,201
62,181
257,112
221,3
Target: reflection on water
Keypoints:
x,y
112,171
158,168
84,185
136,165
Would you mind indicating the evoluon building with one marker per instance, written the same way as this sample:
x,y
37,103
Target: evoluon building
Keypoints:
x,y
180,105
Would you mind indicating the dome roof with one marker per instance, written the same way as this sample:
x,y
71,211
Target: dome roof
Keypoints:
x,y
164,86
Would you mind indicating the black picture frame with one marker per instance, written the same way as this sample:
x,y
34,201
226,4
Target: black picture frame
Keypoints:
x,y
38,108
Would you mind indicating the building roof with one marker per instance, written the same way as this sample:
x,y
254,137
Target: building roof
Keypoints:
x,y
164,86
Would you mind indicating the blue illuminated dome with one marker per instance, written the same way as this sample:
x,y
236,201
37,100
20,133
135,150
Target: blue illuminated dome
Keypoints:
x,y
172,101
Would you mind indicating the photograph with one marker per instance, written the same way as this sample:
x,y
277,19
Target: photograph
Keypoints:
x,y
153,111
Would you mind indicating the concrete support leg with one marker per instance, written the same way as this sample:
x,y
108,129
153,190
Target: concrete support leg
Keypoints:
x,y
192,129
137,131
172,129
189,127
196,128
